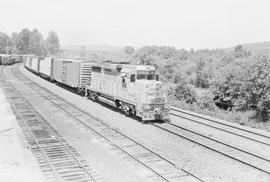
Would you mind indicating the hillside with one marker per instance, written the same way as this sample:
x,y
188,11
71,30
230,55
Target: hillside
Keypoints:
x,y
254,47
94,48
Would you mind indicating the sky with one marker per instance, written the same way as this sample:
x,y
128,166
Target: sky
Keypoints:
x,y
197,24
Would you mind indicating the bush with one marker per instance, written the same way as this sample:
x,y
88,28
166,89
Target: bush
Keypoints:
x,y
206,101
257,86
184,92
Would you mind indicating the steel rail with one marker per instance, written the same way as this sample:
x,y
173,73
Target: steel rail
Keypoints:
x,y
54,134
221,123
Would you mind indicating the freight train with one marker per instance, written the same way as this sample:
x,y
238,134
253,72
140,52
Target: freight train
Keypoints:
x,y
7,59
134,89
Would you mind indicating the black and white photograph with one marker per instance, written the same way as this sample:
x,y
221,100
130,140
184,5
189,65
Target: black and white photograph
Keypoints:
x,y
134,91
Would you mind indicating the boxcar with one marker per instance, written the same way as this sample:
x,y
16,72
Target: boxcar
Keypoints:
x,y
71,72
34,63
5,59
16,58
27,61
46,68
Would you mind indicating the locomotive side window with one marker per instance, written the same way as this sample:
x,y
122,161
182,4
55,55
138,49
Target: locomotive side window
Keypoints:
x,y
96,69
157,77
150,77
141,76
146,77
124,84
132,78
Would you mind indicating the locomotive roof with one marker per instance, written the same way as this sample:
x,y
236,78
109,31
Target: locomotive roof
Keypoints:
x,y
73,60
125,66
28,55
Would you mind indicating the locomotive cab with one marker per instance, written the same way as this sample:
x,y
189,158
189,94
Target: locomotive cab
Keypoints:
x,y
144,84
152,100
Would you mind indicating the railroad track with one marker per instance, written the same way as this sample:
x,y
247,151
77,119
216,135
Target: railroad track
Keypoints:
x,y
252,159
161,168
231,128
58,160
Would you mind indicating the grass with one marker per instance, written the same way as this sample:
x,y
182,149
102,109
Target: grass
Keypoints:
x,y
245,118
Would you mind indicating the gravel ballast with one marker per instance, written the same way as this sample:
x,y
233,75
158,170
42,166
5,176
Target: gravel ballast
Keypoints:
x,y
198,160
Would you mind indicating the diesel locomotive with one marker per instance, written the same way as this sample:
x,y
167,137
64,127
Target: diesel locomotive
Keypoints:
x,y
135,89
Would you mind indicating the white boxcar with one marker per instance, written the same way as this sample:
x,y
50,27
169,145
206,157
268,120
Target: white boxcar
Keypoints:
x,y
5,59
16,58
46,68
34,66
27,61
72,72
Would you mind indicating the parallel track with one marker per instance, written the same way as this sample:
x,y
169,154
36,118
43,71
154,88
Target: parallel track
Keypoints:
x,y
260,163
223,126
58,160
251,159
162,169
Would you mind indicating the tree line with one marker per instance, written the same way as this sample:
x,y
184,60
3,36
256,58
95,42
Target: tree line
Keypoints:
x,y
29,42
235,80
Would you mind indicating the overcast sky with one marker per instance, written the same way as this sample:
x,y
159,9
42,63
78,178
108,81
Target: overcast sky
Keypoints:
x,y
180,23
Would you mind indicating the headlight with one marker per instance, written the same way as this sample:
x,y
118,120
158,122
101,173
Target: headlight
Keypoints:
x,y
157,111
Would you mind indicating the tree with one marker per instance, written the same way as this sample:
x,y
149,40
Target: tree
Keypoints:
x,y
240,52
203,72
257,86
191,51
129,50
153,54
5,43
23,41
184,92
36,43
83,52
14,39
52,43
227,84
245,83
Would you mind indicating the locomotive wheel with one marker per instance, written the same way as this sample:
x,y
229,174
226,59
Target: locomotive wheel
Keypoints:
x,y
95,98
125,109
122,108
133,112
118,105
87,93
128,112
